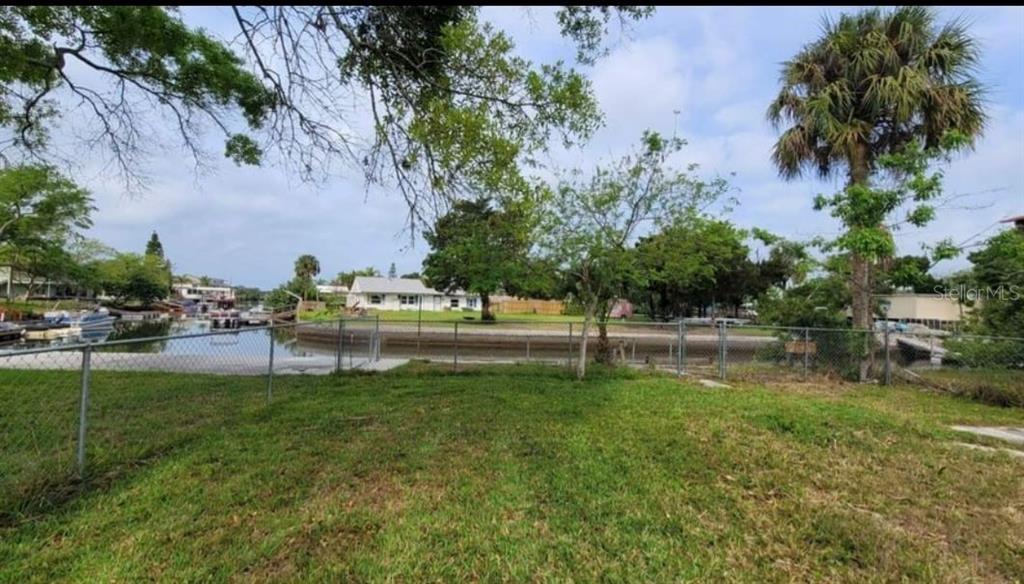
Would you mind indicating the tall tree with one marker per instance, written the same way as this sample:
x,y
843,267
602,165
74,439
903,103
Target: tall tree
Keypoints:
x,y
154,247
874,83
997,272
38,204
481,247
589,229
306,268
133,277
686,265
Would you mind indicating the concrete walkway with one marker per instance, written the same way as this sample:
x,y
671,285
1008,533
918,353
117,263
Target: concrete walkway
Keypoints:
x,y
220,365
1008,433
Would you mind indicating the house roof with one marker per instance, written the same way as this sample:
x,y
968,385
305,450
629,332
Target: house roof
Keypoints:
x,y
1017,219
368,284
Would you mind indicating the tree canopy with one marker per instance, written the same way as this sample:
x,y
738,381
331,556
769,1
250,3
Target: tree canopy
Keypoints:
x,y
480,246
590,224
450,103
346,278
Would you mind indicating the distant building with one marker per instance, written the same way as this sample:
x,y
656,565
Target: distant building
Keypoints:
x,y
15,283
327,289
218,296
405,294
933,310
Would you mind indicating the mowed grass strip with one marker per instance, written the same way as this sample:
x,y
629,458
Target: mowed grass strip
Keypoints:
x,y
522,473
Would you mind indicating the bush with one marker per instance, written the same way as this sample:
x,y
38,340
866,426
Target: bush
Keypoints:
x,y
985,352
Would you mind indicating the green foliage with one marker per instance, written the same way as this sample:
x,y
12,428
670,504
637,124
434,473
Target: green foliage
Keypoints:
x,y
875,82
588,25
346,278
248,295
819,302
307,266
154,247
133,277
143,51
880,92
482,248
685,265
41,212
909,273
278,298
38,205
865,210
589,226
998,274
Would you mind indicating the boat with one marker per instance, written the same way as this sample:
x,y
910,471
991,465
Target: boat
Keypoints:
x,y
256,316
99,318
45,331
10,332
228,318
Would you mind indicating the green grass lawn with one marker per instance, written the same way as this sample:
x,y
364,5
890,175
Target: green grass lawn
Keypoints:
x,y
515,473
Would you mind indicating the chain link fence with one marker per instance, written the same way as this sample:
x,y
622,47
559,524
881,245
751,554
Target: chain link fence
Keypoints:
x,y
91,411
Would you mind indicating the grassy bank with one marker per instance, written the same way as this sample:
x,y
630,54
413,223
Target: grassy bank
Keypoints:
x,y
521,473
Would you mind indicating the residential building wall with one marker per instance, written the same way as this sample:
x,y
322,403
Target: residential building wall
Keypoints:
x,y
923,308
390,301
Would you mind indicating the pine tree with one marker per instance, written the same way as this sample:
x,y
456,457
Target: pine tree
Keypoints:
x,y
392,271
154,247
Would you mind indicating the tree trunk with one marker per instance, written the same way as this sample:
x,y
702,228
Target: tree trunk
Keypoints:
x,y
588,320
603,354
860,285
485,307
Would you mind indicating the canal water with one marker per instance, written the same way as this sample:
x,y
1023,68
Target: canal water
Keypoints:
x,y
240,342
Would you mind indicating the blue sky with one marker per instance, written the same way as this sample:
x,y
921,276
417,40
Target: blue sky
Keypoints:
x,y
716,67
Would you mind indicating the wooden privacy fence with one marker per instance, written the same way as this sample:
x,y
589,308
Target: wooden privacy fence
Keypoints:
x,y
529,307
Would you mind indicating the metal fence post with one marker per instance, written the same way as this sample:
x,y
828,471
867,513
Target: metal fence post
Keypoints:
x,y
456,361
888,361
682,345
723,350
679,351
270,366
569,360
83,408
807,349
341,344
376,340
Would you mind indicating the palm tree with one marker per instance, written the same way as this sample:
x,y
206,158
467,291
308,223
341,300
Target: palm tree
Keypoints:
x,y
306,267
873,83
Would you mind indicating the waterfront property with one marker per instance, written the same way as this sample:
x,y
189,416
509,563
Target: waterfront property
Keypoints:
x,y
405,294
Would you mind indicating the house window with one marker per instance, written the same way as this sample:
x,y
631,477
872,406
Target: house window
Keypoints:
x,y
405,300
376,299
471,302
455,302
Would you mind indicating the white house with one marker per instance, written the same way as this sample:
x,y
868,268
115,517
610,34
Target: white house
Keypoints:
x,y
405,294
